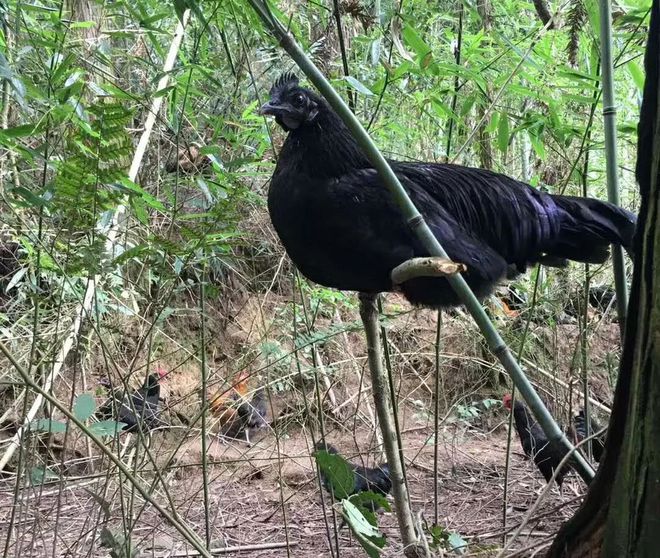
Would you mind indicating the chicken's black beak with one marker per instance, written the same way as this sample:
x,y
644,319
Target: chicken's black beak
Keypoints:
x,y
271,109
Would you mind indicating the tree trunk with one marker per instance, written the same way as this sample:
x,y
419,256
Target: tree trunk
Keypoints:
x,y
621,513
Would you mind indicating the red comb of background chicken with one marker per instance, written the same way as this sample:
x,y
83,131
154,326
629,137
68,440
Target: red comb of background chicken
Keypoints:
x,y
506,400
161,372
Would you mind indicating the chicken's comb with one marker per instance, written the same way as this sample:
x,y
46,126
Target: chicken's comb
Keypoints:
x,y
286,79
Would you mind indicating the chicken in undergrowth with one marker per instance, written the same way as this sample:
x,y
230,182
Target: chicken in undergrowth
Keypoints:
x,y
238,413
580,433
342,228
374,479
137,410
546,454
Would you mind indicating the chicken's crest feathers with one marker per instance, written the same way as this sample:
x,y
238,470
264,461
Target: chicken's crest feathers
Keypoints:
x,y
286,80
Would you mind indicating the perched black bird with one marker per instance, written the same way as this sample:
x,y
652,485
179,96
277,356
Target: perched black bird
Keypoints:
x,y
137,409
342,228
374,479
546,454
597,443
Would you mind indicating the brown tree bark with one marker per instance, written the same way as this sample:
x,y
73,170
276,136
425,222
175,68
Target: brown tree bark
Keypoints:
x,y
620,516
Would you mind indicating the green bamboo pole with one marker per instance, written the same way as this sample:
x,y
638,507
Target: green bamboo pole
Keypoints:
x,y
420,228
611,163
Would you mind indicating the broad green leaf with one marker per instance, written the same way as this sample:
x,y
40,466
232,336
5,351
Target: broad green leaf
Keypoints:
x,y
494,121
369,499
358,85
106,427
337,471
20,131
415,41
84,406
503,133
375,51
368,535
637,74
48,425
40,475
456,543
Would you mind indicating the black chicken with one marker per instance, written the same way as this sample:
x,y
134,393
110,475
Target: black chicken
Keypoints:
x,y
580,428
374,479
546,454
342,228
137,409
252,414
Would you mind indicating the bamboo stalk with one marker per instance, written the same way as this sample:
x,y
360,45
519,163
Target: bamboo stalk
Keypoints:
x,y
421,230
383,403
611,163
85,307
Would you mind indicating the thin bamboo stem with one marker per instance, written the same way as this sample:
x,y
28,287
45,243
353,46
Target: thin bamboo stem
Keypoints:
x,y
611,162
383,403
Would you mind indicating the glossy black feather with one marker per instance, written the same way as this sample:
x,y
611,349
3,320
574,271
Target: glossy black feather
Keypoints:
x,y
137,409
341,227
597,443
546,454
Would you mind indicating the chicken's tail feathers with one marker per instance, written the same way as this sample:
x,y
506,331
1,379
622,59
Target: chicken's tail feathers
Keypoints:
x,y
589,226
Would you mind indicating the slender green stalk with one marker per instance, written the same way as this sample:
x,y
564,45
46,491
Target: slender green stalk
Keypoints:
x,y
205,378
383,403
420,228
436,417
611,163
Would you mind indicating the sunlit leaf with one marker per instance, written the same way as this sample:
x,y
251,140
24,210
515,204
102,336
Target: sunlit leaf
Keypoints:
x,y
48,425
84,406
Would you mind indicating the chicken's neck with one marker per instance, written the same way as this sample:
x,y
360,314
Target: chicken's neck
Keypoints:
x,y
324,149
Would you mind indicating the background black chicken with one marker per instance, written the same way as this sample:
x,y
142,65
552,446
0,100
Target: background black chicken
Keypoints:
x,y
546,454
580,429
138,410
342,228
374,479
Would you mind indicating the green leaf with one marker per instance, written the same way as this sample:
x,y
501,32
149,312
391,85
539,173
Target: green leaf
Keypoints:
x,y
367,500
375,51
503,133
20,131
637,74
368,535
538,146
48,425
456,543
84,406
358,85
337,471
415,41
106,427
40,475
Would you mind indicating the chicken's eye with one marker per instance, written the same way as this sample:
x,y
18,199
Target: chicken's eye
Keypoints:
x,y
298,100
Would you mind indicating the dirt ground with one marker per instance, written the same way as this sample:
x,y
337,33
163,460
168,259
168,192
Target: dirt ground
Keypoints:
x,y
264,500
268,493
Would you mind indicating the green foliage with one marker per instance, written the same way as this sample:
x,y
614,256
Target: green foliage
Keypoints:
x,y
84,406
48,425
356,508
451,541
365,530
41,475
338,472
